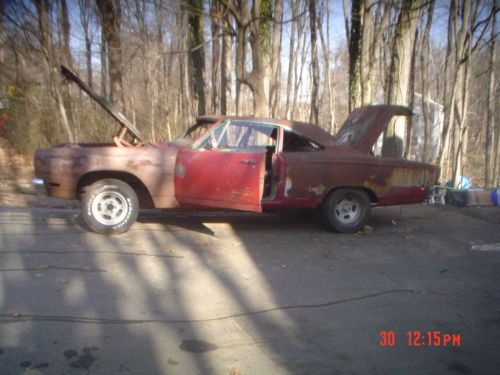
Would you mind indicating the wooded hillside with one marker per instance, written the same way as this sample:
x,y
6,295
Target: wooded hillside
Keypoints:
x,y
163,62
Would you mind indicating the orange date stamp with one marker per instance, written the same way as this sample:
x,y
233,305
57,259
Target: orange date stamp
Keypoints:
x,y
420,338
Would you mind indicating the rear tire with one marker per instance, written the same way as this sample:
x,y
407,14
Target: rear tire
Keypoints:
x,y
346,210
110,206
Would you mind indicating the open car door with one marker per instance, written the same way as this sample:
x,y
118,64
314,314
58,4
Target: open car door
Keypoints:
x,y
221,170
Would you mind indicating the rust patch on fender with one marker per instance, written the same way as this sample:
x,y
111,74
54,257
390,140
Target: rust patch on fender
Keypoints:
x,y
408,177
318,190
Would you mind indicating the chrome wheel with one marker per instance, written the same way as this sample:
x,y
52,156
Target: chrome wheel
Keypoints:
x,y
110,207
347,210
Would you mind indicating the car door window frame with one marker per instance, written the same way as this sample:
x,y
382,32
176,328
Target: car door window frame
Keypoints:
x,y
248,126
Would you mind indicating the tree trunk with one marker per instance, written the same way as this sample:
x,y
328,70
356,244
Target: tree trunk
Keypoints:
x,y
225,70
292,58
257,22
239,66
197,53
411,100
325,45
314,114
496,157
110,12
162,105
275,57
103,51
463,28
489,156
84,8
374,28
302,51
355,45
448,98
148,65
399,76
345,8
67,59
43,8
365,63
216,50
65,28
185,109
424,62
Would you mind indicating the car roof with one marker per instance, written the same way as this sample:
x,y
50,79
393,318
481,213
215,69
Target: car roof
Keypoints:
x,y
311,131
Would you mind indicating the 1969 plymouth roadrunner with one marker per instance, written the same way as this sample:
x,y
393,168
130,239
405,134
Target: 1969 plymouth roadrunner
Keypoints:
x,y
249,164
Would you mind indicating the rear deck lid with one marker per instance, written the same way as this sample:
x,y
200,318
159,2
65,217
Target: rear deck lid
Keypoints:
x,y
364,125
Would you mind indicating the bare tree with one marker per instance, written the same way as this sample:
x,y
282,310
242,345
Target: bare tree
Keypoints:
x,y
424,66
103,53
399,75
489,156
355,45
464,33
185,107
375,23
245,39
325,46
110,12
253,27
300,55
85,14
45,32
314,114
275,56
448,98
66,30
226,66
466,15
292,57
197,53
216,16
411,95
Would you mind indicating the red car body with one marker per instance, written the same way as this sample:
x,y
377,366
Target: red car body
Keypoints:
x,y
295,165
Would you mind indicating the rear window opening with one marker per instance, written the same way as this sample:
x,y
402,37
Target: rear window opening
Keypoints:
x,y
294,142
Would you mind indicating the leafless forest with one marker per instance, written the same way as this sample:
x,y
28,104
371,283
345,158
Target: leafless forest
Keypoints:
x,y
164,62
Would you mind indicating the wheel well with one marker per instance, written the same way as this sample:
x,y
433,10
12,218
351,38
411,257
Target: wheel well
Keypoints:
x,y
371,194
145,199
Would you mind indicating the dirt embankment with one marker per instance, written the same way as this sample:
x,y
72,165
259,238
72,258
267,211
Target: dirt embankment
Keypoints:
x,y
16,173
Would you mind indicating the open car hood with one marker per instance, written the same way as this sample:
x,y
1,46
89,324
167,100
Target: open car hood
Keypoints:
x,y
104,103
364,125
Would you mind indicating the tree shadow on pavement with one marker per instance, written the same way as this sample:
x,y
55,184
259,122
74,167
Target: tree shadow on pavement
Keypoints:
x,y
214,293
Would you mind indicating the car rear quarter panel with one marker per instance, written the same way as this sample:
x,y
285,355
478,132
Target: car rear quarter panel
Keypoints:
x,y
310,176
63,167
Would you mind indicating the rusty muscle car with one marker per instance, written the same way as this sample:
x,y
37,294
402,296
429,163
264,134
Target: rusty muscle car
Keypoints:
x,y
238,163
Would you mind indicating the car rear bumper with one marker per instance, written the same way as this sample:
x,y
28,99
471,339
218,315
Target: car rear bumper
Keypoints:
x,y
39,186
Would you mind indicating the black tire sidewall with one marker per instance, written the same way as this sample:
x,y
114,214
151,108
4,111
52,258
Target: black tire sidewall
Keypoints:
x,y
331,220
110,185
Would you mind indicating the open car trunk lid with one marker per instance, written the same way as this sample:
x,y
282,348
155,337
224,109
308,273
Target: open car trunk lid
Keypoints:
x,y
364,125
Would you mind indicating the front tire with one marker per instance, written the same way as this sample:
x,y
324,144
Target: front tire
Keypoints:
x,y
110,206
346,210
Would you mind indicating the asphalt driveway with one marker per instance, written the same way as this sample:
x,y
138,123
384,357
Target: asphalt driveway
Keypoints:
x,y
231,293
